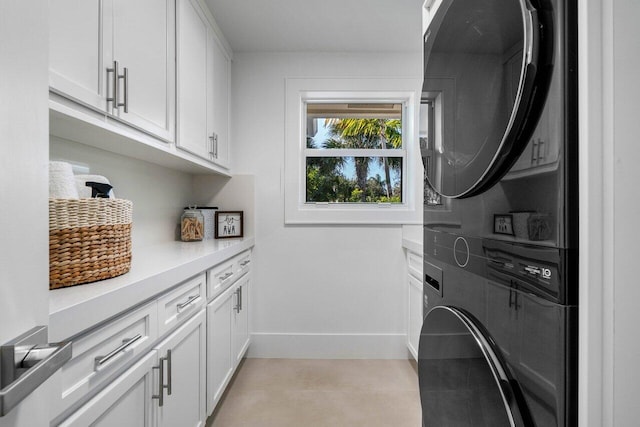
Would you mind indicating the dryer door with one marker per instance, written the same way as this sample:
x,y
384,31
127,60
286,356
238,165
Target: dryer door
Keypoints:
x,y
487,67
463,381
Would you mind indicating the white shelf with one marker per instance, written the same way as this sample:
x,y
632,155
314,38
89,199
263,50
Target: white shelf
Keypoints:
x,y
154,269
74,122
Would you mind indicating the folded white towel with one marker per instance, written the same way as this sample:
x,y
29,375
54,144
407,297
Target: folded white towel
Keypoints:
x,y
62,185
84,192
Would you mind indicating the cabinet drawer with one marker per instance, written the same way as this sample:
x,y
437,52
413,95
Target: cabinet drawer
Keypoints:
x,y
101,353
127,401
242,263
414,262
179,304
220,277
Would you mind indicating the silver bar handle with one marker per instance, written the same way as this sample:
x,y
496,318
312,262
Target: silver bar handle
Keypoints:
x,y
161,387
215,145
534,147
210,145
100,361
245,262
541,150
237,307
114,85
226,276
26,363
241,302
188,302
168,386
125,77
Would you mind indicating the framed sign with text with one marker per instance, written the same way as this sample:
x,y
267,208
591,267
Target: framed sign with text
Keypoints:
x,y
229,224
503,224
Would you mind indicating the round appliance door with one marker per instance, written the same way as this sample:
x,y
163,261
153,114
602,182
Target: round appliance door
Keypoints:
x,y
463,381
487,70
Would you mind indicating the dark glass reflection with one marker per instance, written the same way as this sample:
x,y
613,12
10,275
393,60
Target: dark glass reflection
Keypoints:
x,y
457,384
473,71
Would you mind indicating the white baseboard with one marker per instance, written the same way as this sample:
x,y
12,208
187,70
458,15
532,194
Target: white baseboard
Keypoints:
x,y
328,346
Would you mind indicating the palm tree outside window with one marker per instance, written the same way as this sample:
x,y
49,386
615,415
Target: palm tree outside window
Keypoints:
x,y
354,153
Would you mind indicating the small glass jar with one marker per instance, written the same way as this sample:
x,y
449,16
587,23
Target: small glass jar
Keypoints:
x,y
192,225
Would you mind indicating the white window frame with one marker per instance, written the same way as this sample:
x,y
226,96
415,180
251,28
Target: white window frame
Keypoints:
x,y
299,92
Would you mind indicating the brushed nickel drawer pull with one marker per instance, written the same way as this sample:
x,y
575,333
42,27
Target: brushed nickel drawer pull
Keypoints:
x,y
125,77
225,277
191,299
168,386
100,361
237,307
114,85
161,386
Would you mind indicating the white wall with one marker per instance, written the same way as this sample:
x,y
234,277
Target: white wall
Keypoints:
x,y
610,208
158,194
320,291
228,194
24,250
626,209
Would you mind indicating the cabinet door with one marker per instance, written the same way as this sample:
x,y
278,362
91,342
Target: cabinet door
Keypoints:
x,y
192,79
241,319
218,99
143,43
184,366
78,40
220,360
126,402
414,321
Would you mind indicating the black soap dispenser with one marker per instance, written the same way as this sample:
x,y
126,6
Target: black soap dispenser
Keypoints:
x,y
99,189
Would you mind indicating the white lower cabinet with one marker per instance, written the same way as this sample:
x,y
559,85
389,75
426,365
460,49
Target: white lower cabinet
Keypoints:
x,y
180,395
414,294
227,337
167,385
165,363
241,319
414,315
220,364
100,355
125,402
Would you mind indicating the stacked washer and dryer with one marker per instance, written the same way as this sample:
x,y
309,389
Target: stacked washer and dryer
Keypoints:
x,y
499,141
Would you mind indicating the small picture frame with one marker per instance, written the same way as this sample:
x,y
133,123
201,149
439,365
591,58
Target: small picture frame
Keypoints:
x,y
503,224
229,224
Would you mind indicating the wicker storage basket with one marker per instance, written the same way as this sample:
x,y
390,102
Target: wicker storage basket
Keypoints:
x,y
89,240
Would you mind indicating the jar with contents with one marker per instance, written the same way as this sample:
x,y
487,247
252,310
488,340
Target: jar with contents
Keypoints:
x,y
192,225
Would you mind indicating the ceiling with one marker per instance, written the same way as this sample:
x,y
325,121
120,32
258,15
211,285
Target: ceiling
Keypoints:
x,y
320,25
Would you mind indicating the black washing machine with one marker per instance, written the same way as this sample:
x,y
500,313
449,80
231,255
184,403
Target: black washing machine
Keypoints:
x,y
499,144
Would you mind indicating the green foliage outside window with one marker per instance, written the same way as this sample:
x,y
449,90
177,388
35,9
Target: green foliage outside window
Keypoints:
x,y
326,180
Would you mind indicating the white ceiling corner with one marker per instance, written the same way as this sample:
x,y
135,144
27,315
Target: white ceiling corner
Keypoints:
x,y
320,25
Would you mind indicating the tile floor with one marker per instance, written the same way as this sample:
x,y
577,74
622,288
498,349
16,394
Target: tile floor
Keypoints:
x,y
320,393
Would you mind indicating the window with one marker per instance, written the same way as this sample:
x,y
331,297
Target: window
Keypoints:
x,y
349,155
354,153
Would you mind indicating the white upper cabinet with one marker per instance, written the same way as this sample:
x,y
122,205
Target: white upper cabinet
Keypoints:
x,y
203,86
144,46
76,50
218,101
117,57
192,79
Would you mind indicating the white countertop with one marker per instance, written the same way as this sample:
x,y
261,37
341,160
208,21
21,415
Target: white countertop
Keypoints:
x,y
154,269
412,245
